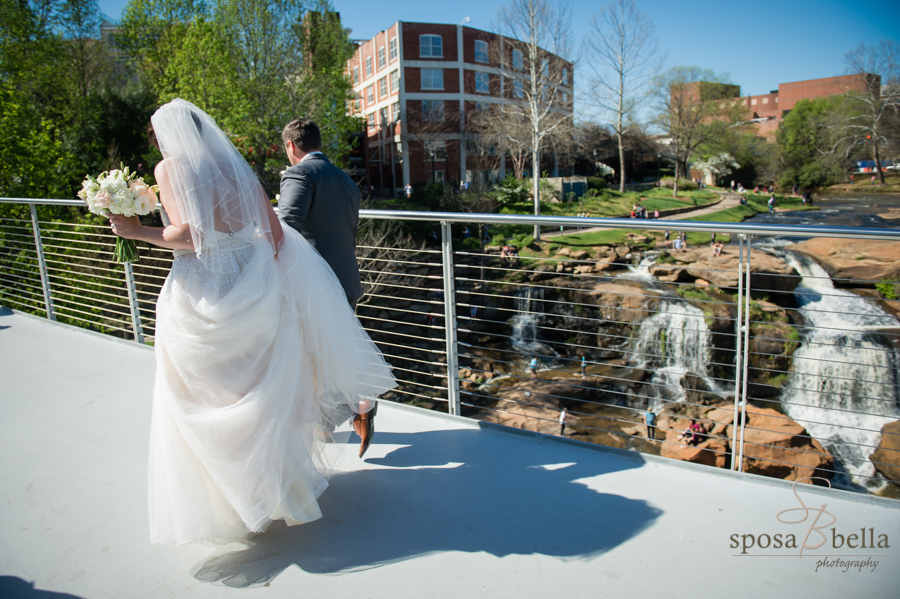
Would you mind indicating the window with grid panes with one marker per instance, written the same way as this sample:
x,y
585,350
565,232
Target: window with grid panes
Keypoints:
x,y
368,66
382,87
431,46
432,78
482,83
481,51
393,49
395,81
381,59
432,110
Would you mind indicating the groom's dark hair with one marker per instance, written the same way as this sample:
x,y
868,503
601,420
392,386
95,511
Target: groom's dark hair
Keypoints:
x,y
304,134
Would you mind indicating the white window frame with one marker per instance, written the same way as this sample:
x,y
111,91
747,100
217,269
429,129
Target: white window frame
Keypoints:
x,y
426,113
395,81
370,95
382,88
395,111
518,60
431,76
355,75
482,83
384,115
392,52
481,55
427,46
370,119
368,66
382,58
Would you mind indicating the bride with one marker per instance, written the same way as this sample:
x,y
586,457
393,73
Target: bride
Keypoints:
x,y
255,345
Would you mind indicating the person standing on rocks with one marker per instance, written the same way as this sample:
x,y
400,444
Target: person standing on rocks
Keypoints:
x,y
533,367
563,416
650,422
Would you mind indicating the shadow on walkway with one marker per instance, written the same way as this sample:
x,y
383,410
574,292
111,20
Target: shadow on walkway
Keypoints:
x,y
444,491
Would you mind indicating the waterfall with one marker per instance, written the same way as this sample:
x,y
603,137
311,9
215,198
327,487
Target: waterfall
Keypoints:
x,y
674,342
529,308
641,271
843,384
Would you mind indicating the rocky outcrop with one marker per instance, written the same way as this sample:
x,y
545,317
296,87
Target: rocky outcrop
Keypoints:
x,y
766,271
774,445
887,457
854,258
619,302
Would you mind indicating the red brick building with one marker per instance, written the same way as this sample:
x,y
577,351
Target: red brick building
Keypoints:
x,y
416,83
768,110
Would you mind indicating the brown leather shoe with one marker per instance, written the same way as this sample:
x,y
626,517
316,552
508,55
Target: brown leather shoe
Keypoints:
x,y
364,425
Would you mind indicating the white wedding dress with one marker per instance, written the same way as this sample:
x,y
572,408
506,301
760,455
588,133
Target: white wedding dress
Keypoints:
x,y
253,352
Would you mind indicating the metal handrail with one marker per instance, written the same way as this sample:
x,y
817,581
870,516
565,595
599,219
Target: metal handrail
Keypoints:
x,y
435,352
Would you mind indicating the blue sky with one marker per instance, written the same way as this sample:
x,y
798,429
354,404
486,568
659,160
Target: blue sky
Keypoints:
x,y
760,44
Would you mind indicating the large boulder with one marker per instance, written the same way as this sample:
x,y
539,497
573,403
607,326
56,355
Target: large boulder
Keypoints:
x,y
854,258
619,302
887,457
774,445
766,271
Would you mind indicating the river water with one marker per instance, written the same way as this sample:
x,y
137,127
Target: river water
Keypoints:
x,y
864,210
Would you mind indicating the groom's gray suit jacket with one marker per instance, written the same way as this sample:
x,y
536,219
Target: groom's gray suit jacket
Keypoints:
x,y
322,202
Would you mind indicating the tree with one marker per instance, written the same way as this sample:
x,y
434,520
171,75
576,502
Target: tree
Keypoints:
x,y
533,59
255,65
864,127
719,165
806,143
152,33
695,107
624,59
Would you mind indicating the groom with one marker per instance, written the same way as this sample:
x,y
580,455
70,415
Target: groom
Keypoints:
x,y
322,202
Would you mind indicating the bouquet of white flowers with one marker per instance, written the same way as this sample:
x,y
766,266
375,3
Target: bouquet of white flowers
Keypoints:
x,y
119,192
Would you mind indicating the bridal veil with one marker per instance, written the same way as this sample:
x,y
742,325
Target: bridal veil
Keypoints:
x,y
252,353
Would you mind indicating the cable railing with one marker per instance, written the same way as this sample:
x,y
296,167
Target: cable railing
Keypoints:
x,y
778,370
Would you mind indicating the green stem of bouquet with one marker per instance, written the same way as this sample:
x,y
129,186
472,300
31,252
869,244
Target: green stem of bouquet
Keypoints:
x,y
126,251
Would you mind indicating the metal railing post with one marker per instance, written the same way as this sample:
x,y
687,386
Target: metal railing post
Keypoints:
x,y
746,368
738,354
42,265
136,327
450,319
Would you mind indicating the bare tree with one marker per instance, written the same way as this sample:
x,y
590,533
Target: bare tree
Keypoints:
x,y
870,111
533,59
695,107
382,248
623,61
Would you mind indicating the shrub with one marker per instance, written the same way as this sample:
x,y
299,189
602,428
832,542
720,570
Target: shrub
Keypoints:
x,y
499,239
889,288
683,184
512,191
596,183
523,240
471,243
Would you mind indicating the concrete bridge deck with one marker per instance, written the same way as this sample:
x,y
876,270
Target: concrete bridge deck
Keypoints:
x,y
441,507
